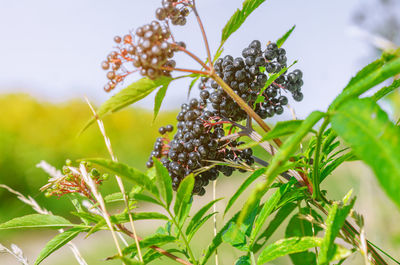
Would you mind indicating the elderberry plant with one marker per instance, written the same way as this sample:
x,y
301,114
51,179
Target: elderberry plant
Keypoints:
x,y
208,139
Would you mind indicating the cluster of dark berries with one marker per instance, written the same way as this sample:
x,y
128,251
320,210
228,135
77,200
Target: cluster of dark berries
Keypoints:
x,y
148,50
197,144
247,76
174,11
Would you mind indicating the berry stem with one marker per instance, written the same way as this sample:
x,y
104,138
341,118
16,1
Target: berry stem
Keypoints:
x,y
197,59
184,70
244,105
203,32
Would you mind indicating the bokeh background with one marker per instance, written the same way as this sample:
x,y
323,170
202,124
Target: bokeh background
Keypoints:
x,y
51,53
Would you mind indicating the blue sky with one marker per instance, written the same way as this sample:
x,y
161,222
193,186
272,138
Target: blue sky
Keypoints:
x,y
53,49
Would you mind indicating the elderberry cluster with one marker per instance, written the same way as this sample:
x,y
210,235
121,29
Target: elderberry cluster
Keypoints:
x,y
247,76
173,10
197,142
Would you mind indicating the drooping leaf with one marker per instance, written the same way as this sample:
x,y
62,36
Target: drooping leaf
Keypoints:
x,y
37,221
57,242
129,95
151,254
386,90
334,222
280,216
197,217
278,161
183,197
126,172
292,245
164,182
192,83
156,240
124,217
239,17
256,174
282,39
374,139
145,198
159,98
372,75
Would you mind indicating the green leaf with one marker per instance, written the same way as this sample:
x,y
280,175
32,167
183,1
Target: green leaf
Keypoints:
x,y
236,237
183,197
57,242
298,226
243,260
374,139
386,90
192,84
198,225
282,39
328,169
126,172
283,128
153,240
292,245
239,17
124,217
255,175
129,261
372,75
37,221
267,209
159,98
278,161
197,217
287,246
164,181
145,198
334,222
280,216
129,95
270,80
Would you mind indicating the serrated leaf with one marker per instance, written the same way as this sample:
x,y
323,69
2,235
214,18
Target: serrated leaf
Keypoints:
x,y
282,39
164,182
57,242
159,98
334,222
386,90
126,172
129,95
278,161
256,174
280,216
156,240
200,213
239,17
372,75
374,139
37,221
292,245
183,197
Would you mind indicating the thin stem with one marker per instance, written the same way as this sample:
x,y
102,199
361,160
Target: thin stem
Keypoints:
x,y
197,59
183,70
390,257
243,105
203,32
158,249
182,235
316,176
119,180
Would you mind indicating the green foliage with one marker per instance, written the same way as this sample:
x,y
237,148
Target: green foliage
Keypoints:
x,y
57,242
386,90
37,221
282,39
131,94
374,139
164,182
159,98
239,17
183,197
